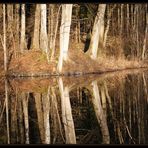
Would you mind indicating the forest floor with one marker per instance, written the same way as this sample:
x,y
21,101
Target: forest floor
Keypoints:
x,y
34,63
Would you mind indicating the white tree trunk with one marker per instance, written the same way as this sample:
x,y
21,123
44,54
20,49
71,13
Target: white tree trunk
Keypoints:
x,y
17,25
51,26
64,33
67,114
145,38
96,31
7,107
96,100
46,109
35,43
43,33
109,14
4,42
23,40
55,34
26,118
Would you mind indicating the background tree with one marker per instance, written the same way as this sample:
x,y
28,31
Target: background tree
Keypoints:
x,y
23,30
96,31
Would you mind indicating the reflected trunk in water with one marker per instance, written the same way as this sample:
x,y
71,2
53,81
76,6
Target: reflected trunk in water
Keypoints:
x,y
7,111
66,113
99,113
24,98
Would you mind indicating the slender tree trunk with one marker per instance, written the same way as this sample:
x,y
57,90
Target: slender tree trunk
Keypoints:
x,y
26,119
96,100
137,31
43,31
64,34
96,31
145,38
4,40
46,109
119,19
51,26
23,29
7,110
67,114
10,31
17,25
121,24
55,34
127,24
109,14
39,108
35,42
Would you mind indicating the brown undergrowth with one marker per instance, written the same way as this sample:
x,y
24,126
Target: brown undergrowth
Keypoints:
x,y
34,63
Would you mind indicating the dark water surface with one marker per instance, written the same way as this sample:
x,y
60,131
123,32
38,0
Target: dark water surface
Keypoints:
x,y
110,108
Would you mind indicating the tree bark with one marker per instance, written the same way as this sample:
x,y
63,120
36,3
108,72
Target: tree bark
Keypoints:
x,y
4,37
96,31
67,114
145,38
23,45
35,42
64,34
96,100
43,33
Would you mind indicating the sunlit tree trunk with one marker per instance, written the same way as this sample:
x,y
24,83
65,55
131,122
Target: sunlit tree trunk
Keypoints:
x,y
109,14
53,43
67,114
38,104
64,34
4,37
10,30
46,109
96,100
96,31
118,18
17,26
35,42
145,38
121,23
128,20
26,117
43,29
23,44
137,29
7,111
51,26
103,98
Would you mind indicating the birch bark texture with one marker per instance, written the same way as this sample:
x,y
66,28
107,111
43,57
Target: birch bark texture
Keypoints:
x,y
64,34
43,31
23,29
95,39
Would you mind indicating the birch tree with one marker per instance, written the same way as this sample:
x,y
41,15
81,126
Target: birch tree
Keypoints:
x,y
96,100
145,38
64,34
43,29
23,36
35,42
93,49
4,37
17,27
67,113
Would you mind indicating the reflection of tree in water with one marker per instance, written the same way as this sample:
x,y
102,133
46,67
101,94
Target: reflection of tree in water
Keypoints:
x,y
103,112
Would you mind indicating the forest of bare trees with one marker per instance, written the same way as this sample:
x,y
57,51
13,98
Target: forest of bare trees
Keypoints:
x,y
98,30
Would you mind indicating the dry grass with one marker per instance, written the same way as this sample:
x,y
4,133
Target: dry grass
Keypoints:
x,y
35,62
